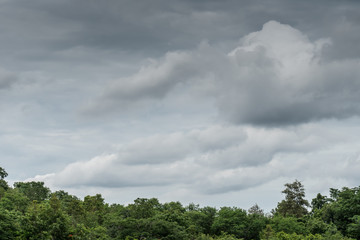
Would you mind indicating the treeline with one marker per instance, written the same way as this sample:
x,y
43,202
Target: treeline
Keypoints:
x,y
29,210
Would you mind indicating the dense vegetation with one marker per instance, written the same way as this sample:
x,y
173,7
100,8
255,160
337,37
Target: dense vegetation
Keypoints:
x,y
29,210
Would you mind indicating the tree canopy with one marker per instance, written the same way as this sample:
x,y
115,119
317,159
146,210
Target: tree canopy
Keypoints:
x,y
294,203
29,210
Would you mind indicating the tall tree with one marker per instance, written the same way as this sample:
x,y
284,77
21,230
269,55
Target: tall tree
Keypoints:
x,y
294,203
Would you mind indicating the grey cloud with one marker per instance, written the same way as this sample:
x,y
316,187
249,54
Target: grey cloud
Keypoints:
x,y
238,179
213,160
38,30
150,83
7,79
178,146
144,25
157,74
275,77
160,77
91,173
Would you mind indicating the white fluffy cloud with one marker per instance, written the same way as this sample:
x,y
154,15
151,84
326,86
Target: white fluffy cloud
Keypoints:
x,y
218,159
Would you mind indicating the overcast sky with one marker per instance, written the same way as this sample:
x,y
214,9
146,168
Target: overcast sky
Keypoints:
x,y
219,103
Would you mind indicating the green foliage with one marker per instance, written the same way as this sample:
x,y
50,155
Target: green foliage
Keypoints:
x,y
160,228
223,236
144,208
9,224
333,234
257,222
353,228
316,225
232,221
45,220
81,231
3,173
35,191
256,210
294,236
289,225
295,203
269,234
342,209
173,212
29,211
14,200
72,205
200,220
94,207
318,202
3,184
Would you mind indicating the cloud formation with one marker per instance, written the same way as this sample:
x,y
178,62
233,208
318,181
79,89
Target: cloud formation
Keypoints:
x,y
276,76
181,98
7,78
217,159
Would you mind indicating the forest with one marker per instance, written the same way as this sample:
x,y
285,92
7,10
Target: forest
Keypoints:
x,y
30,210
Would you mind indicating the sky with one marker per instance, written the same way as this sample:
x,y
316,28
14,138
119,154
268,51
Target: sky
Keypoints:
x,y
218,103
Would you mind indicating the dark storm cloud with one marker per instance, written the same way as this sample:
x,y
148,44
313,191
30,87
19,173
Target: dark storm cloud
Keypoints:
x,y
39,27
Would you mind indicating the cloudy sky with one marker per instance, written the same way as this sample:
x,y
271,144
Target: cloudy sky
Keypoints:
x,y
219,103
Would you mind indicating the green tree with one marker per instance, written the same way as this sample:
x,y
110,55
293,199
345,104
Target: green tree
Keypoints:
x,y
353,228
232,221
114,219
173,212
81,231
3,173
158,227
288,225
144,208
9,224
256,222
3,184
256,210
72,205
332,233
318,202
94,207
295,203
344,206
267,233
33,190
14,200
316,225
200,220
45,220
